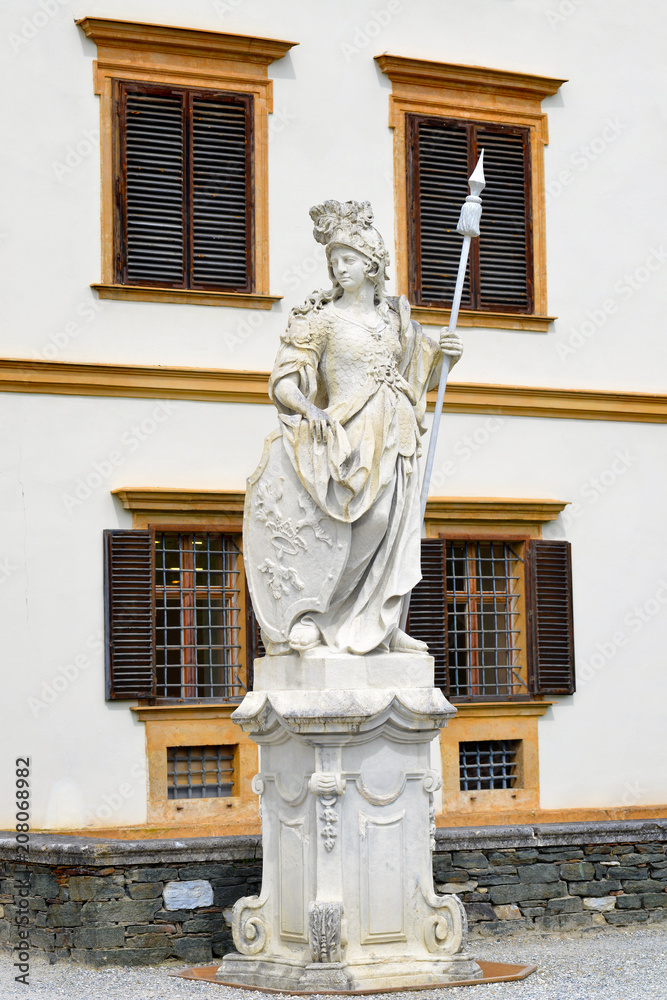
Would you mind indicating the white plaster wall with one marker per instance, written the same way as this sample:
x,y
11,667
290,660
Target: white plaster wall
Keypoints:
x,y
604,746
329,138
85,750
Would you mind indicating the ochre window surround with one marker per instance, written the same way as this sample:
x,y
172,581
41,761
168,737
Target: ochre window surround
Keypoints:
x,y
517,521
198,60
482,95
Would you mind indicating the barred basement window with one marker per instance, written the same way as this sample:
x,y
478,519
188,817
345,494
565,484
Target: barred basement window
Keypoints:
x,y
489,764
198,615
200,772
441,155
183,187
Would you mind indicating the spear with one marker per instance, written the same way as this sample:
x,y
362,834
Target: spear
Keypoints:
x,y
468,227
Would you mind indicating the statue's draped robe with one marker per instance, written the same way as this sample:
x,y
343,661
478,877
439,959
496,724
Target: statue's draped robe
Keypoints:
x,y
373,385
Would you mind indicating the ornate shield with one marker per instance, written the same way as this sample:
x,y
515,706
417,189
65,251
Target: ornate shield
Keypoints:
x,y
293,552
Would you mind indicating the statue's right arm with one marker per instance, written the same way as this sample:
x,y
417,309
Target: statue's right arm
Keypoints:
x,y
288,394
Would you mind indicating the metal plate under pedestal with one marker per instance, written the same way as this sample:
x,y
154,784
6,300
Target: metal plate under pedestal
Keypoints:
x,y
492,972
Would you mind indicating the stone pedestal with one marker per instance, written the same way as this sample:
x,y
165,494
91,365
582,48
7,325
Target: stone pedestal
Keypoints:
x,y
347,899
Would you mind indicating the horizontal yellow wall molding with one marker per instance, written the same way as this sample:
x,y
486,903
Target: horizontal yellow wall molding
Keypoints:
x,y
227,385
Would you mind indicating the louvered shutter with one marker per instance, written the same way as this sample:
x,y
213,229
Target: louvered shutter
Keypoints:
x,y
551,633
442,154
184,211
129,614
504,247
428,607
152,189
220,194
438,188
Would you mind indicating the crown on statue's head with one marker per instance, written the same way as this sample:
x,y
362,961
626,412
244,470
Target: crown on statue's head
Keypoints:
x,y
350,224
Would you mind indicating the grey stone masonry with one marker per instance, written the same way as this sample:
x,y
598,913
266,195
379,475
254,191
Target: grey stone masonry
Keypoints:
x,y
105,902
556,877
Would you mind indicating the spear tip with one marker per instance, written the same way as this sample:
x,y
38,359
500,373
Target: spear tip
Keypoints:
x,y
477,181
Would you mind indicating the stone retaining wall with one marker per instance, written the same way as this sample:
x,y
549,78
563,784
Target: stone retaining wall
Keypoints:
x,y
141,902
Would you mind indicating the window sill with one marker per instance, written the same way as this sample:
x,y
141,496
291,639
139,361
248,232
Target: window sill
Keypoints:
x,y
494,709
489,320
186,296
172,713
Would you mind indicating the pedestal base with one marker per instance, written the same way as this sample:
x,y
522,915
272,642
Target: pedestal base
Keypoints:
x,y
348,821
340,977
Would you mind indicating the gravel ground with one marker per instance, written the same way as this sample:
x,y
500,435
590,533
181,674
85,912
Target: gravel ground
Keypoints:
x,y
606,964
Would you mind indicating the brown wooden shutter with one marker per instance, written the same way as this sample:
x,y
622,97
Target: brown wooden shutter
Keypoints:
x,y
428,607
437,187
152,188
184,211
551,632
129,614
504,248
442,154
221,193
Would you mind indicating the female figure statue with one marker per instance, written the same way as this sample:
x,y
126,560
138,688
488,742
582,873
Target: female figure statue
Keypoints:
x,y
332,532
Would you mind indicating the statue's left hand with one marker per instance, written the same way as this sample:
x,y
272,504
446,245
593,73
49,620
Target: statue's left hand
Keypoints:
x,y
451,345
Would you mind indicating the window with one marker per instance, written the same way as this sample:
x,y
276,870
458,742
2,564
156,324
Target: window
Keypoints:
x,y
483,619
442,115
184,213
442,154
198,615
489,765
184,150
497,616
200,772
179,621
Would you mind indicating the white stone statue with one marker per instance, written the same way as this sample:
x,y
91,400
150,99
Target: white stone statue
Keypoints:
x,y
343,706
332,525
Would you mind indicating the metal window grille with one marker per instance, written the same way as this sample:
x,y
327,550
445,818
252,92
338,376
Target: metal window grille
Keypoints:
x,y
483,651
488,764
198,615
200,772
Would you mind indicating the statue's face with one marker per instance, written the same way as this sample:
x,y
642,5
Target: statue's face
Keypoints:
x,y
350,268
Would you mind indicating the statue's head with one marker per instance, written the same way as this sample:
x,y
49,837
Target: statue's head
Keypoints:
x,y
350,224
